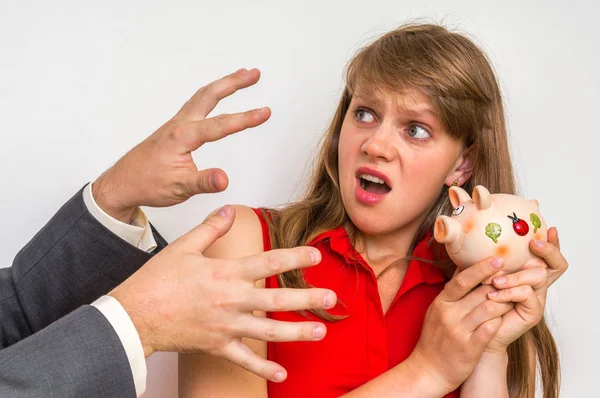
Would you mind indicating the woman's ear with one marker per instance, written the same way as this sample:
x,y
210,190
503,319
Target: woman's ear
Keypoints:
x,y
463,167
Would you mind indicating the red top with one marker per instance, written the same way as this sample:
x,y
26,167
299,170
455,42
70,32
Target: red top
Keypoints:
x,y
368,342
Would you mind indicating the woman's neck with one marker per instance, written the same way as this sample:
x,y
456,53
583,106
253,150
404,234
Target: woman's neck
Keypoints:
x,y
381,250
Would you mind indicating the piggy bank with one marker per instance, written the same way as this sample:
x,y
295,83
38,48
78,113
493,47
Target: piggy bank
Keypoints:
x,y
490,225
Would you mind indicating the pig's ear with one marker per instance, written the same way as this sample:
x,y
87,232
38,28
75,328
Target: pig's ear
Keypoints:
x,y
535,203
457,196
482,197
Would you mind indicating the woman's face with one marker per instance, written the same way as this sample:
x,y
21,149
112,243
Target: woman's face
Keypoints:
x,y
394,157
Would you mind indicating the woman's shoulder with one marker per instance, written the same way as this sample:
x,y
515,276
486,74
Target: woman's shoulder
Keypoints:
x,y
244,238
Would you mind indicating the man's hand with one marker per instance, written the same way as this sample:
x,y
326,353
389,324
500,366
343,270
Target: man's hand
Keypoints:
x,y
182,301
160,171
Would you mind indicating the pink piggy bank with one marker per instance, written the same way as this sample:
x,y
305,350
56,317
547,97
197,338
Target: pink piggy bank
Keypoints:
x,y
490,225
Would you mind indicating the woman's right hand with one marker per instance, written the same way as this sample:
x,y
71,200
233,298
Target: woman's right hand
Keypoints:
x,y
458,326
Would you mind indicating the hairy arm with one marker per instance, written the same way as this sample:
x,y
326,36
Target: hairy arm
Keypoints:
x,y
206,375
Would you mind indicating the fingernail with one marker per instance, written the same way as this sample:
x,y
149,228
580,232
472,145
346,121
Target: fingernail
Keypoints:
x,y
329,300
278,377
500,280
538,243
493,294
213,181
225,211
497,262
240,71
314,257
319,332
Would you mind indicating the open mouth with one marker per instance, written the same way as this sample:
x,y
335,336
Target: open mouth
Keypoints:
x,y
373,184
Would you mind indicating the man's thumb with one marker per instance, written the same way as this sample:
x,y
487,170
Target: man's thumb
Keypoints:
x,y
212,228
208,181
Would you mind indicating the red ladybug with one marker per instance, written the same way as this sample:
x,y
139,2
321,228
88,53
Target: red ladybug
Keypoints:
x,y
520,226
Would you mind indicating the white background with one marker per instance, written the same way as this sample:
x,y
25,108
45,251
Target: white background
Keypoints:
x,y
82,82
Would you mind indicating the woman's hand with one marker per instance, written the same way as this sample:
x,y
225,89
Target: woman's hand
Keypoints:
x,y
527,289
458,326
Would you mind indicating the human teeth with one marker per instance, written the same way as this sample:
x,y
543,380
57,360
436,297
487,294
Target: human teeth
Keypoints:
x,y
371,178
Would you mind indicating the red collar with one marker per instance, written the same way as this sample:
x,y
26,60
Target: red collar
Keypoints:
x,y
418,271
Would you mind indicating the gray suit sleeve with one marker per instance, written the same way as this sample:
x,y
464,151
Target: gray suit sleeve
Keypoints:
x,y
70,262
79,355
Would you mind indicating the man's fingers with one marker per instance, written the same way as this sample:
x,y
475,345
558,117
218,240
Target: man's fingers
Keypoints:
x,y
207,181
272,300
212,228
557,264
240,354
463,282
537,277
215,128
278,261
484,312
207,97
266,329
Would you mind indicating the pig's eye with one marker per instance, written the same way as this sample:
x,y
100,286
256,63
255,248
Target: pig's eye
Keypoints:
x,y
458,210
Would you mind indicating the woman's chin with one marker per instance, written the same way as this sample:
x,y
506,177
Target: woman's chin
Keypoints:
x,y
369,226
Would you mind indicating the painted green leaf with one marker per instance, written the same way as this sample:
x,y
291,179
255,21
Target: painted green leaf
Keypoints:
x,y
535,220
493,231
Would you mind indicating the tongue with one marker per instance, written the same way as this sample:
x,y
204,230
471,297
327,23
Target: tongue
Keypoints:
x,y
373,187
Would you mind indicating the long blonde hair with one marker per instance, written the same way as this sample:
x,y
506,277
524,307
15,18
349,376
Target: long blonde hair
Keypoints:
x,y
459,81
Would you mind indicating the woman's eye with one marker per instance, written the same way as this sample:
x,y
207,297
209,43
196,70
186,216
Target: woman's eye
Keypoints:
x,y
458,210
418,132
363,115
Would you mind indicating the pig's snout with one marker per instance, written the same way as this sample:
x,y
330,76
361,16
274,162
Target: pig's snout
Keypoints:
x,y
446,230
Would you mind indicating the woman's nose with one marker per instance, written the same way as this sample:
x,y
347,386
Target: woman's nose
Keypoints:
x,y
378,146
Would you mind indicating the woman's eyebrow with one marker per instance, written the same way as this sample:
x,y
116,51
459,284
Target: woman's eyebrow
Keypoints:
x,y
420,112
412,108
417,107
369,98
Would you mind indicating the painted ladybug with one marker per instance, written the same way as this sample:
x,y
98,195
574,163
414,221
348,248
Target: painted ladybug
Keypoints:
x,y
520,226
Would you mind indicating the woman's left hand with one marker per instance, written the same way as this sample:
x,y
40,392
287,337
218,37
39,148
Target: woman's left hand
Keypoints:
x,y
527,289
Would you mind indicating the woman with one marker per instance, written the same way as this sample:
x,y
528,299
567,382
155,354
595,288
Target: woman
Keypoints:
x,y
421,111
